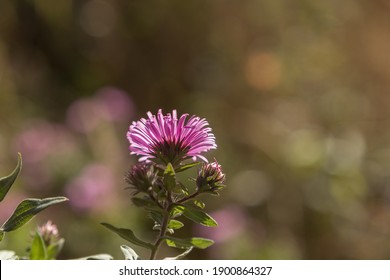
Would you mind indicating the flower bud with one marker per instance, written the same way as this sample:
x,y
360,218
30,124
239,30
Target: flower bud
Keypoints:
x,y
210,178
49,233
141,176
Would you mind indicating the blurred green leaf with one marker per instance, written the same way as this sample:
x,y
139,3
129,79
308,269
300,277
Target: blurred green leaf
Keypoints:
x,y
27,209
54,249
38,248
128,235
197,242
169,177
7,181
146,203
199,203
186,166
182,255
175,224
129,253
1,234
197,215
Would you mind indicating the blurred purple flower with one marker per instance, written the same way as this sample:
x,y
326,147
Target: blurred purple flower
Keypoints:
x,y
117,104
232,221
37,142
170,139
91,189
108,104
40,138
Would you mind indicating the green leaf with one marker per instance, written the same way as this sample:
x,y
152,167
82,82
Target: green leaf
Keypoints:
x,y
54,249
145,202
38,248
129,253
128,235
157,217
1,234
100,257
182,255
27,209
186,166
197,242
197,215
7,255
175,224
7,181
169,177
199,203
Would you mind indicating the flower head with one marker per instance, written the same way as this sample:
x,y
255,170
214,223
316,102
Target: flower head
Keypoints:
x,y
49,233
170,139
141,176
211,177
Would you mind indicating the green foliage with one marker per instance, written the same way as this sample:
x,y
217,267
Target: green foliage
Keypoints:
x,y
7,181
169,177
38,249
27,209
128,235
186,243
196,215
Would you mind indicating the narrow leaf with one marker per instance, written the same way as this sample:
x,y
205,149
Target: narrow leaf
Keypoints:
x,y
186,166
197,215
175,224
7,181
128,235
182,255
129,253
169,177
38,248
197,242
27,209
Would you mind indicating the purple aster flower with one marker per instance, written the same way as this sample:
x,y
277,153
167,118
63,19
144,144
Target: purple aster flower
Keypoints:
x,y
169,138
211,177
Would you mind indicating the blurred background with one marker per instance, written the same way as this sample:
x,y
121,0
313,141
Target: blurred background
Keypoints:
x,y
297,94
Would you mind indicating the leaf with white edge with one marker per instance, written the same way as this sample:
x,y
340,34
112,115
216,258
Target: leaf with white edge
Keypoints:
x,y
169,177
197,242
7,181
99,257
187,166
199,203
38,248
129,253
7,255
27,209
175,224
182,255
128,235
196,215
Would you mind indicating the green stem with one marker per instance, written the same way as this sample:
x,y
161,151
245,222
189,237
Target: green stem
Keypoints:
x,y
161,235
189,197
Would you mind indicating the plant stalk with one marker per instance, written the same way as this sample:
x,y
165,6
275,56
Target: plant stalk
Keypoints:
x,y
163,230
